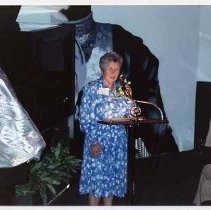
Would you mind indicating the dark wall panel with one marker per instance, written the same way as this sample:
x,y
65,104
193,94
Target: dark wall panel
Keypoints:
x,y
40,67
202,112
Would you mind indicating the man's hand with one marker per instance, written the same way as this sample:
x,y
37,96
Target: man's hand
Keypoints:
x,y
96,149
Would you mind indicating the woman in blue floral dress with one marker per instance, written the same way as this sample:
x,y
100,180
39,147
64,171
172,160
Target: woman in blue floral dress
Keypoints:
x,y
104,167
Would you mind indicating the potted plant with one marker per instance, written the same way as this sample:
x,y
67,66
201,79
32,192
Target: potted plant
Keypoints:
x,y
54,170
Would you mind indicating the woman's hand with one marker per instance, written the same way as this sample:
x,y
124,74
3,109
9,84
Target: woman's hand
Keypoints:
x,y
96,149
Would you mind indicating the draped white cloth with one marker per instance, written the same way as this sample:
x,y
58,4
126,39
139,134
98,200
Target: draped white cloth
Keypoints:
x,y
20,140
204,187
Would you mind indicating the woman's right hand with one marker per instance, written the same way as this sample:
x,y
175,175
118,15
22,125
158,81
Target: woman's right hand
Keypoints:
x,y
128,90
96,149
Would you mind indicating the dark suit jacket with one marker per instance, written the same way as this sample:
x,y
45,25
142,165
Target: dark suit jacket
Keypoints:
x,y
141,68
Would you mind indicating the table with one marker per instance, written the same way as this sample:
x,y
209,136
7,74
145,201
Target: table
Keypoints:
x,y
132,123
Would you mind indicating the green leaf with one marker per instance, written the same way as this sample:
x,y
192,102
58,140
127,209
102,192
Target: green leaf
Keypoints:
x,y
53,170
52,189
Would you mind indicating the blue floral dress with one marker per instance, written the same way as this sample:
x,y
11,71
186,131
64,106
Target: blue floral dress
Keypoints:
x,y
106,174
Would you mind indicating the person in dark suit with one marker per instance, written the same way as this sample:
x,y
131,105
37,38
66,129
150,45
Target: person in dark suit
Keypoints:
x,y
140,66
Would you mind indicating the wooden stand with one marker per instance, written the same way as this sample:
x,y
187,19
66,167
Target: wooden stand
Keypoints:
x,y
131,123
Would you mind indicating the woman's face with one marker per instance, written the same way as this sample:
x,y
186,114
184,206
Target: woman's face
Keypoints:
x,y
111,72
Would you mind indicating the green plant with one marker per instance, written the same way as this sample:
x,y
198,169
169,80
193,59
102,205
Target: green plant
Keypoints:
x,y
54,169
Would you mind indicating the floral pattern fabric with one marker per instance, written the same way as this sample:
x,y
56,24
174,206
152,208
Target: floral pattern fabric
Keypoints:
x,y
106,174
